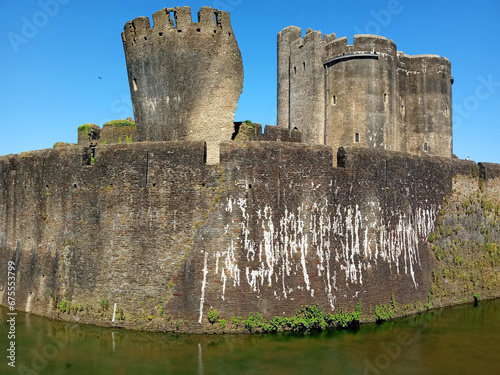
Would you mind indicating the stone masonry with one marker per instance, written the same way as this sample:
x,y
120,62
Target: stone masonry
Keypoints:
x,y
367,94
297,215
185,77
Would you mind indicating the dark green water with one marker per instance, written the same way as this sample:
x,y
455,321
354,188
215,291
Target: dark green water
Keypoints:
x,y
460,340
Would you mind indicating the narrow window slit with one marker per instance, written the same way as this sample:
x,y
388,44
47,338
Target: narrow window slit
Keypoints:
x,y
173,19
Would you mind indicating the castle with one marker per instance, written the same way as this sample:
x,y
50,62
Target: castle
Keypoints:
x,y
186,77
367,93
352,198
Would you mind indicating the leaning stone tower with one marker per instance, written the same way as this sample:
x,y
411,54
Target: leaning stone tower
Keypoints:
x,y
185,77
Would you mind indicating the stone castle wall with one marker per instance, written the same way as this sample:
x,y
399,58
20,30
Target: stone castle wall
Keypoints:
x,y
106,134
153,228
185,77
367,93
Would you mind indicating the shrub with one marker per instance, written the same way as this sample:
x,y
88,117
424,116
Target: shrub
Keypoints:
x,y
120,123
382,313
85,128
64,306
104,303
213,316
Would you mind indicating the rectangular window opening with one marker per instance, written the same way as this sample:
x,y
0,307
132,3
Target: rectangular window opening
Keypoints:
x,y
356,138
172,16
217,19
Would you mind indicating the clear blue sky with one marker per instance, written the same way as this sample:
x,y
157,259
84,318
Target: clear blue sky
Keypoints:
x,y
52,52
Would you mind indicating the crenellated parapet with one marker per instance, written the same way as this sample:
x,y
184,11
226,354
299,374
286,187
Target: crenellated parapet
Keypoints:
x,y
185,77
366,93
363,43
177,20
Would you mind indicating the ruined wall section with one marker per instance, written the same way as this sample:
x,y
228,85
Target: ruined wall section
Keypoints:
x,y
301,82
429,120
185,77
286,37
319,234
151,227
466,241
115,230
307,86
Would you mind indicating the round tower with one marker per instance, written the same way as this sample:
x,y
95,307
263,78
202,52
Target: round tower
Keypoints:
x,y
185,77
361,92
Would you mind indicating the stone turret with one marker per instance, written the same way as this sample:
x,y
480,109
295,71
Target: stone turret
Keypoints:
x,y
185,77
367,93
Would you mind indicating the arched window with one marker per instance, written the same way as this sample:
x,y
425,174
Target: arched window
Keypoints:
x,y
356,138
425,146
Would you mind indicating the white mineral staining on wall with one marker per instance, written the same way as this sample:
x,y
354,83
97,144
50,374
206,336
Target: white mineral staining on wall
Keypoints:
x,y
337,244
203,285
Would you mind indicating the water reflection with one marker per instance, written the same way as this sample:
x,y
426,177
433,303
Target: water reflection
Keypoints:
x,y
457,340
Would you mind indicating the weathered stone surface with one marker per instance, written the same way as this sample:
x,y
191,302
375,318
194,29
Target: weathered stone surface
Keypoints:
x,y
185,77
153,228
367,93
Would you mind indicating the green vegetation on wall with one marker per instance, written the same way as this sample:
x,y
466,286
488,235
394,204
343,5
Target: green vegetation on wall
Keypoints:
x,y
85,128
119,123
466,245
247,128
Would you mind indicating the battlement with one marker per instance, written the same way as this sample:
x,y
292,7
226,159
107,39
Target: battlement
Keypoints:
x,y
293,36
428,63
177,20
363,43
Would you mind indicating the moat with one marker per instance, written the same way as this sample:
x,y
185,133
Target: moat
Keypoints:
x,y
458,340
